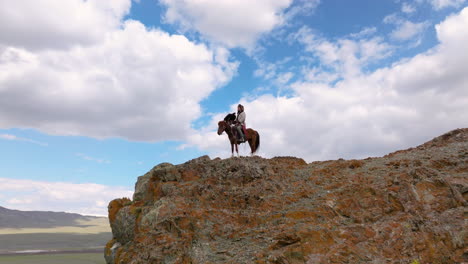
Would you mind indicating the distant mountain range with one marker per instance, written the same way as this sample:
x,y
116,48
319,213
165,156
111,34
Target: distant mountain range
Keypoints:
x,y
39,219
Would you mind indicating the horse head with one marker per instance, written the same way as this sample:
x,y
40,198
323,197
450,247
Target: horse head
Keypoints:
x,y
221,127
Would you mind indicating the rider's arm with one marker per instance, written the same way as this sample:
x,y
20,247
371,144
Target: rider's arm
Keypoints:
x,y
241,118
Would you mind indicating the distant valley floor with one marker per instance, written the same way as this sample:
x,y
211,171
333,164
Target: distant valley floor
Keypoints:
x,y
72,258
52,241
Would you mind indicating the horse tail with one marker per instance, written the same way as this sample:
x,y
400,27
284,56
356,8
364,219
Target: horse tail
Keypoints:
x,y
257,142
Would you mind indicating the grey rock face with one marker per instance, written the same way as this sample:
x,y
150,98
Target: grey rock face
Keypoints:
x,y
123,228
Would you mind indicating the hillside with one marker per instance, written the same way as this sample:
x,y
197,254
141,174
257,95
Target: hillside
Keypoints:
x,y
405,207
39,219
50,231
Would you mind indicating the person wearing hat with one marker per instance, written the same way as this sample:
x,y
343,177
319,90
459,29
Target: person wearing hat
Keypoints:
x,y
241,122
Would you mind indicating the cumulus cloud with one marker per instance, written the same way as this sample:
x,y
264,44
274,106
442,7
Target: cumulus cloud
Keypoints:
x,y
85,198
133,82
367,114
58,24
231,23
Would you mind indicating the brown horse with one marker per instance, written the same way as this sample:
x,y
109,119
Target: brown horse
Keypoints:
x,y
252,137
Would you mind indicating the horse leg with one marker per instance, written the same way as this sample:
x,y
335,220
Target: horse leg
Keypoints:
x,y
237,150
232,150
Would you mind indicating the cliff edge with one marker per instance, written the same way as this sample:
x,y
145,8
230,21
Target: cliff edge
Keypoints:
x,y
405,207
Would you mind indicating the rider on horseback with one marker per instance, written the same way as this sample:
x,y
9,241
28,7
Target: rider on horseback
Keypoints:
x,y
235,128
240,120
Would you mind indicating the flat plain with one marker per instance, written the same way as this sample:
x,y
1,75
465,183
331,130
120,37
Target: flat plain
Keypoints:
x,y
80,226
72,258
52,241
80,242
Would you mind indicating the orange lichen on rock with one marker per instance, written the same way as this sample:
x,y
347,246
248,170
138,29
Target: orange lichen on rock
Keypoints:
x,y
406,206
114,207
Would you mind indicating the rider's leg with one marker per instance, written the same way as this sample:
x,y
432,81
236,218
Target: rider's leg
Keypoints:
x,y
239,130
244,129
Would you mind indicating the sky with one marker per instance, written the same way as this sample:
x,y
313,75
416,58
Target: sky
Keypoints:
x,y
95,93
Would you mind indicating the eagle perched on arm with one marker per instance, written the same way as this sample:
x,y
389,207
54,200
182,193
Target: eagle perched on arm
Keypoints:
x,y
230,118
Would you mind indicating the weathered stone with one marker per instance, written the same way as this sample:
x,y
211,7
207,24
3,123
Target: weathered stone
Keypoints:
x,y
407,207
198,160
114,207
123,228
161,166
111,250
167,174
141,187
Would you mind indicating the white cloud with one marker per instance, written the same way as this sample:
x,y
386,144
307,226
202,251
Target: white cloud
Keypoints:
x,y
408,30
58,24
86,157
268,70
233,23
364,32
132,82
392,19
437,5
13,137
85,198
364,115
345,57
300,7
284,78
316,74
440,4
407,8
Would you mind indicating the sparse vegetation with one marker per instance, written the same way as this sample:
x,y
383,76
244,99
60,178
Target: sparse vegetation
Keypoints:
x,y
79,258
354,164
59,241
84,226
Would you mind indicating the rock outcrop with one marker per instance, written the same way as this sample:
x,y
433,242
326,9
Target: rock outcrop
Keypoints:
x,y
405,207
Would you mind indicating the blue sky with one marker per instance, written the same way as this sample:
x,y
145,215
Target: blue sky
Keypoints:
x,y
96,93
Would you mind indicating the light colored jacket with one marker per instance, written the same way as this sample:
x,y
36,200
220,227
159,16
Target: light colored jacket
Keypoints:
x,y
241,118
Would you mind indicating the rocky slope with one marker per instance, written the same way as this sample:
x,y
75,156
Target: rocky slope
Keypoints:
x,y
406,207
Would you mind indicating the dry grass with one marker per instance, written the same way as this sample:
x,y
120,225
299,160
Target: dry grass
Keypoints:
x,y
92,226
77,258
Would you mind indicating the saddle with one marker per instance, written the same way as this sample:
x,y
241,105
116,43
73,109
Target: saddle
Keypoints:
x,y
236,134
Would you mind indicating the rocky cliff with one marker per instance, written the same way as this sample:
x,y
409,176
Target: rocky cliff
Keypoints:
x,y
406,207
